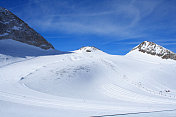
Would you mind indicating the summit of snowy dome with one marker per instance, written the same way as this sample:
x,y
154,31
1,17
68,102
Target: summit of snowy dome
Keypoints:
x,y
89,49
154,49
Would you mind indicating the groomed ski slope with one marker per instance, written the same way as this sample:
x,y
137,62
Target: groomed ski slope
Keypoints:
x,y
83,84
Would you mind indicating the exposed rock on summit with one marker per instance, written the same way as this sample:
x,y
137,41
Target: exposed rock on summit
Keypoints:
x,y
154,49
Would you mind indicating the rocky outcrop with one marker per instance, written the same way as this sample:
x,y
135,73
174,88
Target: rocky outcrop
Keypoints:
x,y
12,27
154,49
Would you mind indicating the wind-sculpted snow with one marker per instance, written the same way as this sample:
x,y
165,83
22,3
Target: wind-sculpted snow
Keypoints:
x,y
67,81
84,84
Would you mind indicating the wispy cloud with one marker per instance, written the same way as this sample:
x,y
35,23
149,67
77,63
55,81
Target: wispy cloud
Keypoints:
x,y
114,18
145,19
117,25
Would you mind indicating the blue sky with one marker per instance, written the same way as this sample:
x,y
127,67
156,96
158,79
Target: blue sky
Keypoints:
x,y
114,26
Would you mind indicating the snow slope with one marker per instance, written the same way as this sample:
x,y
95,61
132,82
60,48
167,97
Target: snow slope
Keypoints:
x,y
12,51
87,83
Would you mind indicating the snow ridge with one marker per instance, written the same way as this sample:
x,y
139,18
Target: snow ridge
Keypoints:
x,y
154,49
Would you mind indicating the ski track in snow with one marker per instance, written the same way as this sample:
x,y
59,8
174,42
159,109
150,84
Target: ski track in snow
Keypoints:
x,y
137,113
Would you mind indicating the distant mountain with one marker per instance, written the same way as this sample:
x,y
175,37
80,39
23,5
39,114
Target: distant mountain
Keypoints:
x,y
12,27
154,49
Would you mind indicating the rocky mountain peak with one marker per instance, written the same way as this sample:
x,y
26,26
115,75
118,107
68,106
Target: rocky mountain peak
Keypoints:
x,y
154,49
2,9
12,27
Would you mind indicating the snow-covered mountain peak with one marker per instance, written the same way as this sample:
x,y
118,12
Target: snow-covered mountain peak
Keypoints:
x,y
154,49
89,49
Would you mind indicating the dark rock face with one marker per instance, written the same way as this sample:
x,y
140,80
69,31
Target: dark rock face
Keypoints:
x,y
154,49
12,27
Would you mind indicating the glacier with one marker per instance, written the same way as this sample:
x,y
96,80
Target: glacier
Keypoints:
x,y
83,83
